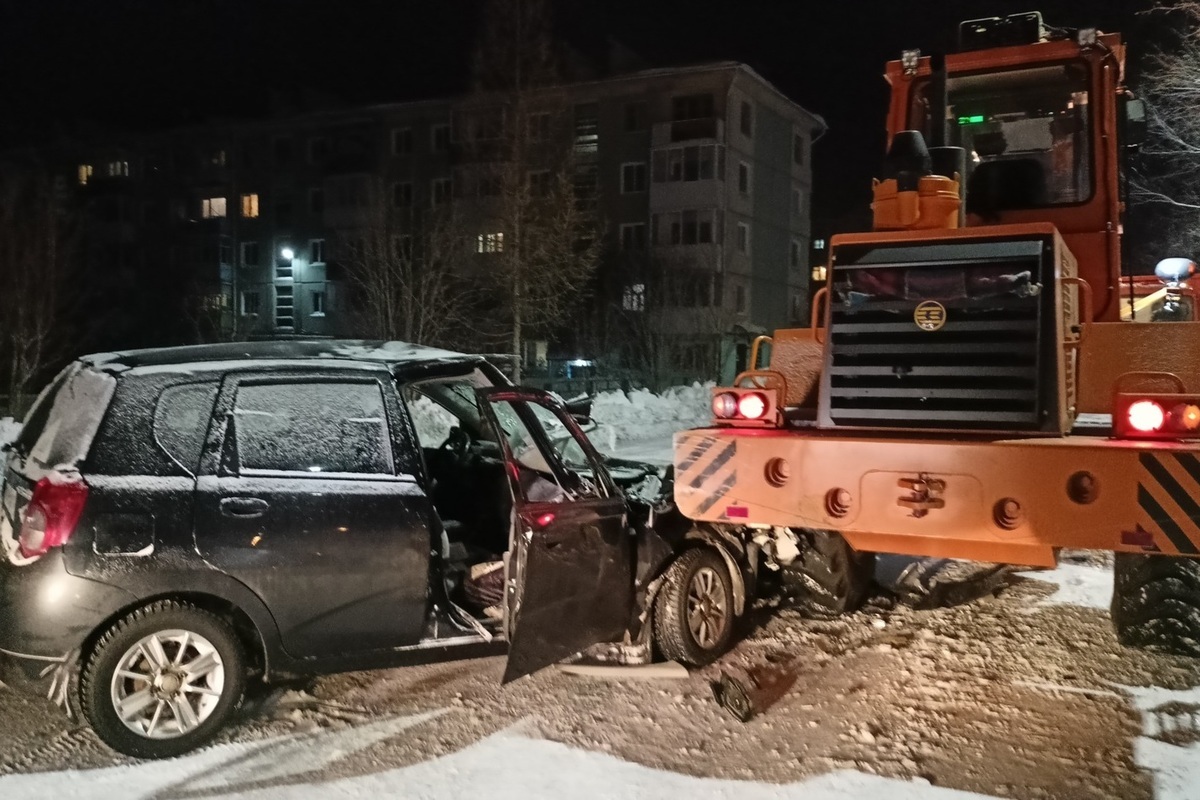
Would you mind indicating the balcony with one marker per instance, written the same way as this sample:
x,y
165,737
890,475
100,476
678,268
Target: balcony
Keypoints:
x,y
688,130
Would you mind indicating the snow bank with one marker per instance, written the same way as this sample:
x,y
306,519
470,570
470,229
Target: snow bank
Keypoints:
x,y
9,429
509,765
643,415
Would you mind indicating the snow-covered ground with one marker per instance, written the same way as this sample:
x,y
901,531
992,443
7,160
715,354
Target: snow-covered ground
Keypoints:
x,y
1022,694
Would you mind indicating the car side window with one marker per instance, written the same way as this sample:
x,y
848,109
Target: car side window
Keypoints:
x,y
181,421
312,428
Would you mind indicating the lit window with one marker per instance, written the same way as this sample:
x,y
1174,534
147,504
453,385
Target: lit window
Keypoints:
x,y
249,206
633,177
318,304
818,244
490,243
85,172
316,251
587,127
212,207
634,298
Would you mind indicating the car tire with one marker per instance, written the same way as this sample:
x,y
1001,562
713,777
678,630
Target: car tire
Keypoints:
x,y
694,609
1156,603
828,578
194,672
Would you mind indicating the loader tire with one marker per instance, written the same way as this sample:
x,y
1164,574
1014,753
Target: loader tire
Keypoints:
x,y
829,577
1156,603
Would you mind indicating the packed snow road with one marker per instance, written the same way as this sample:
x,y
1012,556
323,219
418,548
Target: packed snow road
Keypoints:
x,y
1024,694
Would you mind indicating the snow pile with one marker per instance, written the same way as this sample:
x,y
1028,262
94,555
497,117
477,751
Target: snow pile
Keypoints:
x,y
644,415
9,430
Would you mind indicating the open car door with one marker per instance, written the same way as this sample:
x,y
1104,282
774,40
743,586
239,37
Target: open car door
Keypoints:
x,y
569,581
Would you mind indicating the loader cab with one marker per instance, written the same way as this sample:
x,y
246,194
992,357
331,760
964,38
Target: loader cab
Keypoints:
x,y
1037,120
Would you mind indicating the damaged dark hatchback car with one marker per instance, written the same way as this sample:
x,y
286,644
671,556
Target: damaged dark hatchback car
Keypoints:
x,y
179,522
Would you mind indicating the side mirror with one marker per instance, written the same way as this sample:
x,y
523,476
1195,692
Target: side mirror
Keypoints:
x,y
1133,122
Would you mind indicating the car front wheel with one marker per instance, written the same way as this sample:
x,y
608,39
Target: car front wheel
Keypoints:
x,y
163,680
693,613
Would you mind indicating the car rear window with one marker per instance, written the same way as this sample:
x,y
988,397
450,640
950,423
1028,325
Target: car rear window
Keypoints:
x,y
312,428
136,439
76,403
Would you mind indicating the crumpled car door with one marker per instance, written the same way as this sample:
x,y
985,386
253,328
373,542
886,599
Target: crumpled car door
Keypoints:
x,y
569,580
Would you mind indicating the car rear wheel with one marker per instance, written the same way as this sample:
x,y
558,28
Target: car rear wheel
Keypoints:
x,y
163,680
1156,603
693,613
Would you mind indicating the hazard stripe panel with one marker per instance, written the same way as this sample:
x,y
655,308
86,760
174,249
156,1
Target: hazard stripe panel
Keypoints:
x,y
1168,488
707,474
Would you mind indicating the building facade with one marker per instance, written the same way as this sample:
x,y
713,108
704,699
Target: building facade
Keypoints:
x,y
701,177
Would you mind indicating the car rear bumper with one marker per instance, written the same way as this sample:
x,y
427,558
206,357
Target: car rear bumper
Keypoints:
x,y
46,613
28,674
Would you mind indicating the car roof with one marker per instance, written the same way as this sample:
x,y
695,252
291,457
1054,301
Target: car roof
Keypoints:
x,y
235,355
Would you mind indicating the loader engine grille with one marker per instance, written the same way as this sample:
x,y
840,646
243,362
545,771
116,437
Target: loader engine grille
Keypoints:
x,y
942,336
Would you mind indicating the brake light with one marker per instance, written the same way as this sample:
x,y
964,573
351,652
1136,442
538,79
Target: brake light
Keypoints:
x,y
1146,416
752,406
1156,416
50,518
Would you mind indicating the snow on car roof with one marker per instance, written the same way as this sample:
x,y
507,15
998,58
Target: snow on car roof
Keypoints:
x,y
229,355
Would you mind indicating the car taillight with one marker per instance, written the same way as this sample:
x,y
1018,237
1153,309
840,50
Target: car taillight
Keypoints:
x,y
49,519
1160,416
752,406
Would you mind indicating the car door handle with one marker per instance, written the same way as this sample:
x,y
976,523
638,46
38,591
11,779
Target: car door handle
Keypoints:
x,y
244,507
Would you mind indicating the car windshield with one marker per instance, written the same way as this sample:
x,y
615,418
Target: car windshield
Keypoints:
x,y
1022,127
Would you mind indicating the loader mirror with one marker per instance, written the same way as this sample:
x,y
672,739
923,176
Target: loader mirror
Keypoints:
x,y
1133,122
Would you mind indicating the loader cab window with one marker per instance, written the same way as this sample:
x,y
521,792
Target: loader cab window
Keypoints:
x,y
1027,134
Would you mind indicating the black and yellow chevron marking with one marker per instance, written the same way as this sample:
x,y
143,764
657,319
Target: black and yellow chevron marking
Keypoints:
x,y
708,472
1169,500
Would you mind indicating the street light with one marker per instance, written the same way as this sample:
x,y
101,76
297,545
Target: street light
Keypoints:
x,y
288,253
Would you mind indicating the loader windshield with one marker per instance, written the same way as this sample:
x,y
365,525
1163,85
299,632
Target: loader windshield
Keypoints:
x,y
1026,133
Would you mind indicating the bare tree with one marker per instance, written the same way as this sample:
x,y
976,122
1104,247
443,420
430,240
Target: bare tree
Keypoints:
x,y
37,253
405,276
535,195
665,302
1168,170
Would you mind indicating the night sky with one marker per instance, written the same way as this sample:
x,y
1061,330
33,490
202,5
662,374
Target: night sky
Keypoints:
x,y
153,63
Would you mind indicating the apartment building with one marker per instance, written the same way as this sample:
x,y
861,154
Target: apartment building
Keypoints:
x,y
701,176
